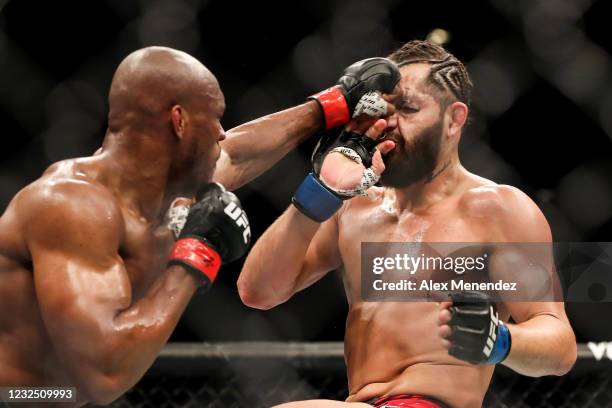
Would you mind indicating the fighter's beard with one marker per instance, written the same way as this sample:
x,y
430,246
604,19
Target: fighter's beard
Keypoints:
x,y
417,161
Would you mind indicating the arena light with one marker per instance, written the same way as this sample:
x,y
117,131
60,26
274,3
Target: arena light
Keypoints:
x,y
439,36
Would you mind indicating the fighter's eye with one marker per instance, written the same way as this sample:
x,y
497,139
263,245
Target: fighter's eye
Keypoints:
x,y
408,109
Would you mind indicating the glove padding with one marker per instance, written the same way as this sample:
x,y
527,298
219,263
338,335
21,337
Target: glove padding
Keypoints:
x,y
216,231
356,147
359,91
371,74
478,336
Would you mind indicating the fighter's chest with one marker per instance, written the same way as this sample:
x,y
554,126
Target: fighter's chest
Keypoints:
x,y
439,231
380,224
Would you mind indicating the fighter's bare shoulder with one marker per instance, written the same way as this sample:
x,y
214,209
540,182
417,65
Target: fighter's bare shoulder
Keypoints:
x,y
509,213
66,201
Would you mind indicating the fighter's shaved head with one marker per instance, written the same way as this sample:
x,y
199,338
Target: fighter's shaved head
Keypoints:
x,y
149,81
165,108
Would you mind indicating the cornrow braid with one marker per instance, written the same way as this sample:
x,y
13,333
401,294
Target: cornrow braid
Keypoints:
x,y
447,73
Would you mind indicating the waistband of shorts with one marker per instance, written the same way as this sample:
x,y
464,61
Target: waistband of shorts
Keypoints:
x,y
377,401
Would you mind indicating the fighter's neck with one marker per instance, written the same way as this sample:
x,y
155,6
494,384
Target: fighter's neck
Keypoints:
x,y
443,182
141,184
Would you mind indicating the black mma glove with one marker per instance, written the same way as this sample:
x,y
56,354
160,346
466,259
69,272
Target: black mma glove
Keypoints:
x,y
216,231
317,200
358,91
478,336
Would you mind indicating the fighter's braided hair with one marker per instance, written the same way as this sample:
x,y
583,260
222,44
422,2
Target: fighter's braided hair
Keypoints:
x,y
447,74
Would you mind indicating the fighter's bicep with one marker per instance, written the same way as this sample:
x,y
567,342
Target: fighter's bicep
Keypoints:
x,y
78,290
322,256
78,301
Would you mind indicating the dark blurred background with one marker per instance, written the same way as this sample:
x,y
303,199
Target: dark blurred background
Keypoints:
x,y
541,117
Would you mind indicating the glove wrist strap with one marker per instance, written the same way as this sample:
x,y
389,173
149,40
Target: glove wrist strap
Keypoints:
x,y
196,256
314,200
334,107
501,348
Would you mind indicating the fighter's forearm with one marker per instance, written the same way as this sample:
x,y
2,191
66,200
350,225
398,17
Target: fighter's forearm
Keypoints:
x,y
270,273
252,148
139,333
542,345
155,316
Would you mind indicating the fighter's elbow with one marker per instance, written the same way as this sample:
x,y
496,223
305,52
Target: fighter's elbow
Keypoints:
x,y
567,361
253,299
563,359
257,298
102,389
102,384
569,351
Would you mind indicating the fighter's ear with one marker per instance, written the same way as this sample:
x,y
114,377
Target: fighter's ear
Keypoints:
x,y
458,116
178,116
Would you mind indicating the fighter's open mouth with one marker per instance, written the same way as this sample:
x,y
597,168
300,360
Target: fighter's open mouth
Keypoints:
x,y
384,138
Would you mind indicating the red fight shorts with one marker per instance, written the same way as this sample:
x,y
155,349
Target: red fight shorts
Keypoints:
x,y
405,401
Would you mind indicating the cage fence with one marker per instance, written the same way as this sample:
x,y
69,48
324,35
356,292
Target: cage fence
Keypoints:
x,y
263,374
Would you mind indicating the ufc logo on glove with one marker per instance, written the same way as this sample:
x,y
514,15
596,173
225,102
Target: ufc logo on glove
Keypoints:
x,y
238,215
